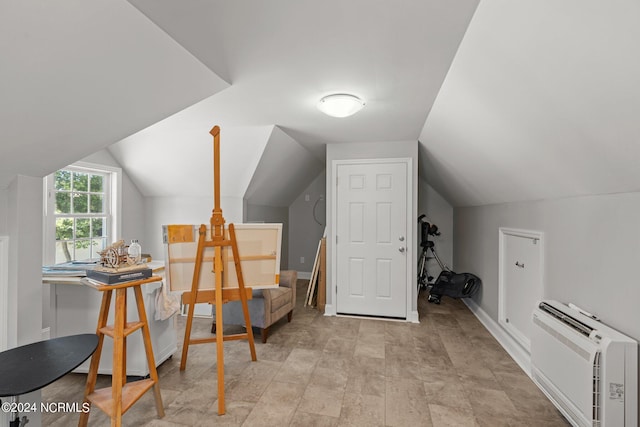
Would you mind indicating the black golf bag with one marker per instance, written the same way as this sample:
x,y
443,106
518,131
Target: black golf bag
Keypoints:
x,y
454,285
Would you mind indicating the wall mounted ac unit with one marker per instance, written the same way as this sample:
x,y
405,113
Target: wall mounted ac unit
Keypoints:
x,y
588,370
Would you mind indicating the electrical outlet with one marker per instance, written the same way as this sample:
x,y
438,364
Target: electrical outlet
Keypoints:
x,y
306,198
301,260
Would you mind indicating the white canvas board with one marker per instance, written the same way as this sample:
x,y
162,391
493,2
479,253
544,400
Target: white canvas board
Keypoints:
x,y
259,247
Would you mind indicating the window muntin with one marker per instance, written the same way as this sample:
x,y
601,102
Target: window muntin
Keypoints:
x,y
80,211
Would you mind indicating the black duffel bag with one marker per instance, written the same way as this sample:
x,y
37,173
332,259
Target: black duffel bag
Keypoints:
x,y
454,285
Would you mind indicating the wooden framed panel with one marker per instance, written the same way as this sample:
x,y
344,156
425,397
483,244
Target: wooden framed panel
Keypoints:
x,y
259,247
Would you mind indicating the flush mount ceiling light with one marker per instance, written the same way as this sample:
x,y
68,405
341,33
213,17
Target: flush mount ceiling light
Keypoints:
x,y
340,105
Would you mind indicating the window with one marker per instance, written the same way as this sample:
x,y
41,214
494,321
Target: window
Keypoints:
x,y
81,212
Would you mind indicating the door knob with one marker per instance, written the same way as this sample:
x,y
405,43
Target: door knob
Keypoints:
x,y
401,249
401,238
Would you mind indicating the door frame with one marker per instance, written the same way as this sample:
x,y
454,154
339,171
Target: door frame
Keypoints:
x,y
502,285
410,251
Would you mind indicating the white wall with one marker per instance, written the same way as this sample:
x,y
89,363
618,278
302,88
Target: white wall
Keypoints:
x,y
25,259
372,150
4,275
304,231
24,227
161,211
592,249
4,206
439,212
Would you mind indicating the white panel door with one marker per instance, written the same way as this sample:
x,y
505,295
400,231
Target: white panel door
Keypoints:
x,y
371,231
521,286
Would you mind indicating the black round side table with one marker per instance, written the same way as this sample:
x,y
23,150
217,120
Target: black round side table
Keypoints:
x,y
33,366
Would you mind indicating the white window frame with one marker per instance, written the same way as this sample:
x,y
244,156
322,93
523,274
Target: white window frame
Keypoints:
x,y
114,205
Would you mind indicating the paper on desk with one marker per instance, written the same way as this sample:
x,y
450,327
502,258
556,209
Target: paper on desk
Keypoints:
x,y
72,268
55,271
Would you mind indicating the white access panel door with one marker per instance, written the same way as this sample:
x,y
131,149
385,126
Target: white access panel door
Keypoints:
x,y
521,286
371,232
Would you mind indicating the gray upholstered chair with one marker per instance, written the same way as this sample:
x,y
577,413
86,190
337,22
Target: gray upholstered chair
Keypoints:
x,y
266,307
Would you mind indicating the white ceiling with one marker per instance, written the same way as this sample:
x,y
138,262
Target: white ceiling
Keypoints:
x,y
77,76
93,74
284,171
280,58
539,101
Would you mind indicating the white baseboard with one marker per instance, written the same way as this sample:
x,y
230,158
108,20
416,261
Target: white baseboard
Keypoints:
x,y
46,333
413,317
306,275
521,357
329,310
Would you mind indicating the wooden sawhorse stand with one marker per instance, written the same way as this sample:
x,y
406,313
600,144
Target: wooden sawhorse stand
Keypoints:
x,y
115,400
217,296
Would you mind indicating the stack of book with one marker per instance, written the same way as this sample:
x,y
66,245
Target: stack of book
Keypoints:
x,y
103,276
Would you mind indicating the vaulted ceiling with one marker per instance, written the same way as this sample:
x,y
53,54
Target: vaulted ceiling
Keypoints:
x,y
540,102
512,101
77,76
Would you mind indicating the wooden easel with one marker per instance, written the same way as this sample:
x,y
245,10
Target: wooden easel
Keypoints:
x,y
219,295
118,398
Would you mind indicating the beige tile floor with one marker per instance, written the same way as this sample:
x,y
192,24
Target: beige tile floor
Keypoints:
x,y
337,371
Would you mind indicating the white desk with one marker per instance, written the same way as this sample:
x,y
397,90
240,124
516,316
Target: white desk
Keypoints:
x,y
75,308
